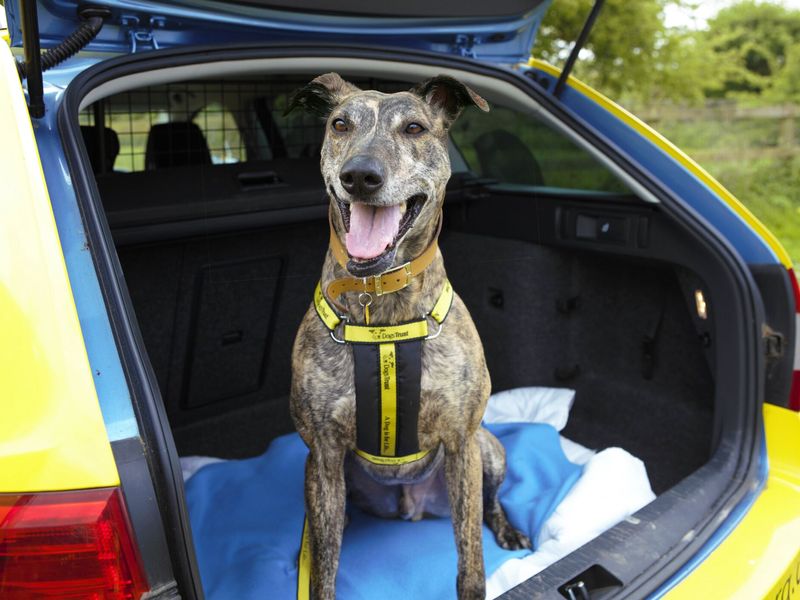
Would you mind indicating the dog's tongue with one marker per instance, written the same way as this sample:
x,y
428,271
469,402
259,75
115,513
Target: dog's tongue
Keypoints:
x,y
372,229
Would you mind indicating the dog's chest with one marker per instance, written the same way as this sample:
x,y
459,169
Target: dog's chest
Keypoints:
x,y
434,389
431,386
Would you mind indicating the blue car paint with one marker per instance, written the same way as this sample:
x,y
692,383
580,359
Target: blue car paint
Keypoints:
x,y
651,159
109,379
501,40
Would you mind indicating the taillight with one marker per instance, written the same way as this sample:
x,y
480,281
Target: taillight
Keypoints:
x,y
794,393
68,545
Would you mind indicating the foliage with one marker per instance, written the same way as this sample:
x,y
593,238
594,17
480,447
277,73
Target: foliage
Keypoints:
x,y
629,53
766,184
785,87
752,40
749,51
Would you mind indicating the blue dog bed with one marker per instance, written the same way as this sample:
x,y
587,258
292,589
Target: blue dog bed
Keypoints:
x,y
247,519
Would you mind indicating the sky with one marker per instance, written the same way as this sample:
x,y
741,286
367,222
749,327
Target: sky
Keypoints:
x,y
696,19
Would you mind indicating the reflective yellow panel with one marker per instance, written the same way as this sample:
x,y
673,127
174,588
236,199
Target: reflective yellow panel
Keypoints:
x,y
763,553
52,435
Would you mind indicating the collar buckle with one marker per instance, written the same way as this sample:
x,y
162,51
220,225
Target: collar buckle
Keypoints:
x,y
409,274
377,280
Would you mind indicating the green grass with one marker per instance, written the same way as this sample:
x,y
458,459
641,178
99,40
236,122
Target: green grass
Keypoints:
x,y
768,185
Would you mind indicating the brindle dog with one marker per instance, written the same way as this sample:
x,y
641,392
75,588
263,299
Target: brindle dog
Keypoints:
x,y
385,165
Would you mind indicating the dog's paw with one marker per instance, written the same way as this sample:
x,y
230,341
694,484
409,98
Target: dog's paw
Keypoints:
x,y
511,539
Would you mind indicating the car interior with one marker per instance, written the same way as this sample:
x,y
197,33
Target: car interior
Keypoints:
x,y
217,209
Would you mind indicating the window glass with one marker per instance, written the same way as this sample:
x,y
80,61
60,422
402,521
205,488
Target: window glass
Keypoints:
x,y
225,142
513,147
213,121
300,132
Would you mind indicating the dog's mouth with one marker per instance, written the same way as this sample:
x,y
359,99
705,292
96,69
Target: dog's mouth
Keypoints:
x,y
372,232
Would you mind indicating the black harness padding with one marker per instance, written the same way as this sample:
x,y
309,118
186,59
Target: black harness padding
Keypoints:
x,y
368,381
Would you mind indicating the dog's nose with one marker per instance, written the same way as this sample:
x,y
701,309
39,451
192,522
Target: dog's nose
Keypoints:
x,y
362,175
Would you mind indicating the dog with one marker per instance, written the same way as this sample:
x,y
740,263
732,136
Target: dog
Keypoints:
x,y
385,164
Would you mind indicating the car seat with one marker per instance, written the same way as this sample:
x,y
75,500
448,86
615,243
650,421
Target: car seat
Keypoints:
x,y
109,150
503,156
177,144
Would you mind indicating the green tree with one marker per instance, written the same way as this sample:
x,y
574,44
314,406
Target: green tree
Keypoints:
x,y
752,42
630,54
786,85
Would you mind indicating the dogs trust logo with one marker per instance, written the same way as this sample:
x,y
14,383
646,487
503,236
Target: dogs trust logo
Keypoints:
x,y
382,335
387,370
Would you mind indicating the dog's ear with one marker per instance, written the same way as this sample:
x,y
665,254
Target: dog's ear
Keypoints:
x,y
449,96
321,95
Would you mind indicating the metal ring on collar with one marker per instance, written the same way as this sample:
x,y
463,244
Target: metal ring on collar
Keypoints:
x,y
366,302
438,331
333,333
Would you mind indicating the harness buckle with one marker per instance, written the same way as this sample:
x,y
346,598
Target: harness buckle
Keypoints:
x,y
378,285
433,336
342,324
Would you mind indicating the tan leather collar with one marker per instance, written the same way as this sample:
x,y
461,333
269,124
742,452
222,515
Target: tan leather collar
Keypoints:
x,y
385,283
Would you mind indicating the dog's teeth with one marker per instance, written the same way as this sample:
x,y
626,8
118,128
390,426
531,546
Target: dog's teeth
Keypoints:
x,y
403,208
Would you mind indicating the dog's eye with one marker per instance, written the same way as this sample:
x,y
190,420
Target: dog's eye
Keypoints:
x,y
339,125
414,128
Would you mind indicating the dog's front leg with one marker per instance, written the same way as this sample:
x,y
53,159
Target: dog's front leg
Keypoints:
x,y
463,473
325,502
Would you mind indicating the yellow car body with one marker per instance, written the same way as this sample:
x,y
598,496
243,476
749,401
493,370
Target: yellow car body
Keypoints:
x,y
52,435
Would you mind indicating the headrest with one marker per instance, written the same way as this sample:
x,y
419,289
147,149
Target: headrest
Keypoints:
x,y
505,157
92,143
177,144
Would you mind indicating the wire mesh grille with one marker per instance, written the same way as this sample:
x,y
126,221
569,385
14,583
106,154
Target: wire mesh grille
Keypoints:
x,y
240,121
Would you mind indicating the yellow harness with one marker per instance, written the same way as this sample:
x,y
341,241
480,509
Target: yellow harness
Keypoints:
x,y
384,341
387,365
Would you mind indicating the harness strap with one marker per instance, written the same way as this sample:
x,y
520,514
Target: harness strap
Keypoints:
x,y
385,283
390,438
375,334
304,565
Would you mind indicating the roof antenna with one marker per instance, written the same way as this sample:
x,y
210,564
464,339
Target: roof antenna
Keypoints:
x,y
573,54
36,63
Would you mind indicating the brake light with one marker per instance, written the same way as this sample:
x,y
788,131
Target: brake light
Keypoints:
x,y
68,545
794,392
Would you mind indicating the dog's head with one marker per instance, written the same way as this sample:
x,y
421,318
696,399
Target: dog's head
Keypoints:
x,y
385,163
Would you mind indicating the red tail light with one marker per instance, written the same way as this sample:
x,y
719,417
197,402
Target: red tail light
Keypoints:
x,y
794,393
68,545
